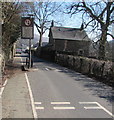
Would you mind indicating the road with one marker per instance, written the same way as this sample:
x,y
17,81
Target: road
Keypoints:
x,y
58,92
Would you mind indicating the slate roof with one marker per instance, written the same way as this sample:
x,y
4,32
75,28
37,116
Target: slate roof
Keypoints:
x,y
69,33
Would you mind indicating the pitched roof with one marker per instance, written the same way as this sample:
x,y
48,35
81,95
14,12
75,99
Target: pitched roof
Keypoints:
x,y
69,33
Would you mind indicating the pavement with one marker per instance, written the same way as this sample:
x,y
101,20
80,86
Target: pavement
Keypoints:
x,y
15,97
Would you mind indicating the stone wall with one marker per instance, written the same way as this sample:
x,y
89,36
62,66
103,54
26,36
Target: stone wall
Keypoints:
x,y
103,70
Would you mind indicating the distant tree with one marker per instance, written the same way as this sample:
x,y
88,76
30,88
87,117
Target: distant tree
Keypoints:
x,y
97,15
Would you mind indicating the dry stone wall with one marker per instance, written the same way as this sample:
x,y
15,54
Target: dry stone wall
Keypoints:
x,y
104,70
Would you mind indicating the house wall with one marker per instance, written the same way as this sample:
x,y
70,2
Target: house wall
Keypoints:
x,y
59,45
76,46
72,46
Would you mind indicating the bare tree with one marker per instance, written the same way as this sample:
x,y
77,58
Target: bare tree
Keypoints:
x,y
43,12
11,17
99,16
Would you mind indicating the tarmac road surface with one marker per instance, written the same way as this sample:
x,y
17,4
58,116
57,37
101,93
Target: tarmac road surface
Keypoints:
x,y
62,93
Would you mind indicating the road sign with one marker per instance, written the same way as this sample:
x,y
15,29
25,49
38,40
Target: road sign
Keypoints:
x,y
27,28
27,22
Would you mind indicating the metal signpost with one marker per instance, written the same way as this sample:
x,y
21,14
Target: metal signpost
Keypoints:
x,y
27,32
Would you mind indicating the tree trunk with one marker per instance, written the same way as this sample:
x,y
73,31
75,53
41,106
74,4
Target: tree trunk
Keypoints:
x,y
40,43
40,40
102,43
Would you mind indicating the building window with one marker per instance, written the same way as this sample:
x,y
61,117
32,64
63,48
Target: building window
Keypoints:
x,y
80,52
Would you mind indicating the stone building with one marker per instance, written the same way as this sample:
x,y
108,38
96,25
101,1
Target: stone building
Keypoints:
x,y
73,40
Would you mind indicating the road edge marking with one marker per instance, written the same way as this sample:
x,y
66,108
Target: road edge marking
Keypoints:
x,y
31,97
3,87
21,61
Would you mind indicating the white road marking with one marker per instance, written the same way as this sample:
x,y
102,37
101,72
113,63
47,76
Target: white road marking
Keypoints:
x,y
87,108
31,97
37,103
99,107
57,70
21,61
60,103
64,108
3,87
34,69
39,108
87,102
47,69
105,109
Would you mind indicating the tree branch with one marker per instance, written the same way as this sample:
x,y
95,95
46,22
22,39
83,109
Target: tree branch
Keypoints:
x,y
110,35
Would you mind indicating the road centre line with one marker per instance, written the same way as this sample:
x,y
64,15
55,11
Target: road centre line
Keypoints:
x,y
39,108
31,97
37,103
87,102
92,108
99,107
64,108
56,103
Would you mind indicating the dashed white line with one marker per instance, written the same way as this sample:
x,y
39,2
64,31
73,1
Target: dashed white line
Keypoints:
x,y
87,102
60,103
37,103
39,108
57,70
64,108
87,108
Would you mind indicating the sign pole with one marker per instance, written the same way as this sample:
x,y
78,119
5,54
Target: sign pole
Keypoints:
x,y
29,53
27,32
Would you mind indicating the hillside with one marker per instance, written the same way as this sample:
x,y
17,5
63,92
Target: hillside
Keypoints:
x,y
25,42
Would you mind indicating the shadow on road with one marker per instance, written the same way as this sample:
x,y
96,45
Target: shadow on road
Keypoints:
x,y
97,88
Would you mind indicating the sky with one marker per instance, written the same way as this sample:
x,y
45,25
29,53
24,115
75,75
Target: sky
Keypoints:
x,y
67,21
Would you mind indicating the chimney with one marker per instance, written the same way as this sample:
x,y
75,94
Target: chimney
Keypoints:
x,y
82,27
52,23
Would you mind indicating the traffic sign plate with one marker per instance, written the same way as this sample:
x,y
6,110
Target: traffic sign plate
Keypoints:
x,y
27,22
27,28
